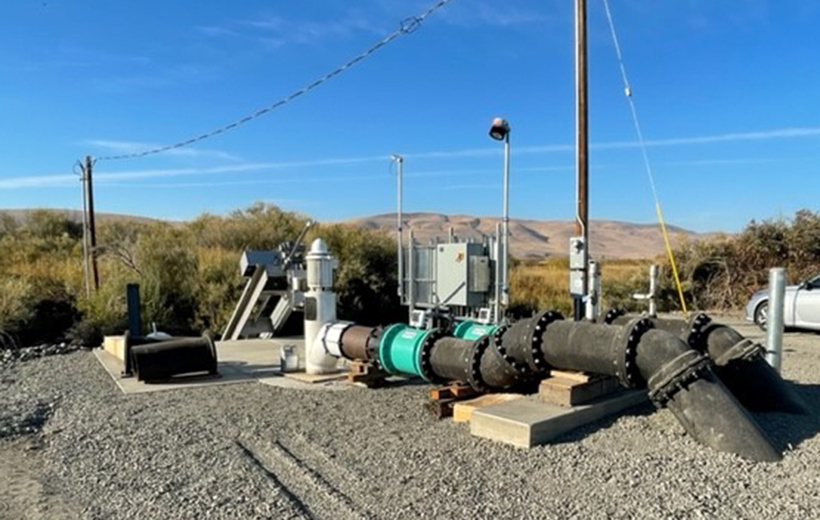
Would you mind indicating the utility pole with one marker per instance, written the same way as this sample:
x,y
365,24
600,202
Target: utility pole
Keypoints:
x,y
89,220
579,245
86,273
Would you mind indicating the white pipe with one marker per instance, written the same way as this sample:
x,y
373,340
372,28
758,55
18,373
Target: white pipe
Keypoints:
x,y
320,307
411,281
653,289
774,321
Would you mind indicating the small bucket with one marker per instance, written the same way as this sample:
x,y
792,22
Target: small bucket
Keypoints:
x,y
288,358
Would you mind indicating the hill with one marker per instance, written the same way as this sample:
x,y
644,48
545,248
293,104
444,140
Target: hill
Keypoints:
x,y
539,238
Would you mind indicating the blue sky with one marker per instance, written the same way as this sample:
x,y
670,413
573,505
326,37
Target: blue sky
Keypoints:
x,y
728,94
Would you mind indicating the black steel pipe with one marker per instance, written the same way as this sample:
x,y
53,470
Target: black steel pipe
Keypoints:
x,y
165,359
678,377
740,363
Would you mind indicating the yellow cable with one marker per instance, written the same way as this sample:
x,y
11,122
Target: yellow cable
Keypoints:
x,y
671,258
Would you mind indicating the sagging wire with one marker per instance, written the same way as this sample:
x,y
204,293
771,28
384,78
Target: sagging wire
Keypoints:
x,y
408,26
642,144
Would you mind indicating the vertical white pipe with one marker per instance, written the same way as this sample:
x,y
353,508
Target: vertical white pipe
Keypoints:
x,y
653,289
774,321
505,289
593,300
411,276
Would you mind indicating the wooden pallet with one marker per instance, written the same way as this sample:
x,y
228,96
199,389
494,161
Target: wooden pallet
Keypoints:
x,y
567,388
367,374
444,398
463,410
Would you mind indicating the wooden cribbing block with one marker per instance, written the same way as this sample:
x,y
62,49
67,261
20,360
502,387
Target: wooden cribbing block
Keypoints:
x,y
566,391
367,374
463,410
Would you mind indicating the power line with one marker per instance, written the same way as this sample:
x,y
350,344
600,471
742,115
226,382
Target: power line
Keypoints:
x,y
408,25
642,144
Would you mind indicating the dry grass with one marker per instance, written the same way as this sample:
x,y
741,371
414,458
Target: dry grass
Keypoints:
x,y
545,285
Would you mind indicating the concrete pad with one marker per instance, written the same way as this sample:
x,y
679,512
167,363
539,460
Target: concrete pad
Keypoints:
x,y
527,422
304,377
130,385
249,360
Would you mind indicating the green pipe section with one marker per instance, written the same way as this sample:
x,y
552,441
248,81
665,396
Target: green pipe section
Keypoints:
x,y
471,330
399,349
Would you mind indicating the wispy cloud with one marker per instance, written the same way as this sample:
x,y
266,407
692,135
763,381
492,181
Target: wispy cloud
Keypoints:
x,y
127,147
274,31
112,177
502,14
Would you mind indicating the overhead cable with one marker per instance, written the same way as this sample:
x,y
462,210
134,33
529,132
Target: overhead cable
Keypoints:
x,y
408,26
642,143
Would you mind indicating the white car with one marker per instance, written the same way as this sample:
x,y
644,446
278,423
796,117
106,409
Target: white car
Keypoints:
x,y
802,306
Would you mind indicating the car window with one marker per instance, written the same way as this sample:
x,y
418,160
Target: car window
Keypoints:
x,y
815,282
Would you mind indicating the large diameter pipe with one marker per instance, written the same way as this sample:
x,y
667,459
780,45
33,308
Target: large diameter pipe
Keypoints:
x,y
739,363
774,320
678,377
160,360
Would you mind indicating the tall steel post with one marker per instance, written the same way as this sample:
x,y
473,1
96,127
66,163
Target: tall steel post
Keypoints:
x,y
399,222
774,321
582,150
505,260
92,227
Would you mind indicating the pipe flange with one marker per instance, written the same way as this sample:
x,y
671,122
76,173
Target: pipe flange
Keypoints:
x,y
474,377
425,351
612,315
745,350
677,375
519,369
627,341
534,355
697,331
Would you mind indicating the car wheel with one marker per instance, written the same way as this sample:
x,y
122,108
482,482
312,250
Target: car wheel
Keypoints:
x,y
761,315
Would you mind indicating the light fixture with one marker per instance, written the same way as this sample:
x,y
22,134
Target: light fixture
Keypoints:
x,y
500,129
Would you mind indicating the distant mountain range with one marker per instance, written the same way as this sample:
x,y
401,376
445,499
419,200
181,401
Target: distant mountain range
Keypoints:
x,y
539,238
528,238
74,215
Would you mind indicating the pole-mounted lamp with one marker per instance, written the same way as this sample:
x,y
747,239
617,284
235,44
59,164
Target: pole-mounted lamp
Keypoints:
x,y
500,131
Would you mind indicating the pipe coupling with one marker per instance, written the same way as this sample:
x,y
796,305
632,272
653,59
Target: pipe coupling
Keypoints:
x,y
744,350
612,315
697,332
677,375
425,366
513,368
478,349
535,337
625,352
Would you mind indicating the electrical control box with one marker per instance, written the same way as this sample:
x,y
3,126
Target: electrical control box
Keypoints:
x,y
577,266
463,276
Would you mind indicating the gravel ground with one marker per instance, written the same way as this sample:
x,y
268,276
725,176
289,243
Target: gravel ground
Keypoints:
x,y
73,446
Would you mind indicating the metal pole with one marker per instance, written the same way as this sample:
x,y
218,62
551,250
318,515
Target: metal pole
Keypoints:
x,y
411,277
653,289
774,321
92,228
86,273
594,299
582,146
497,248
505,289
399,222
